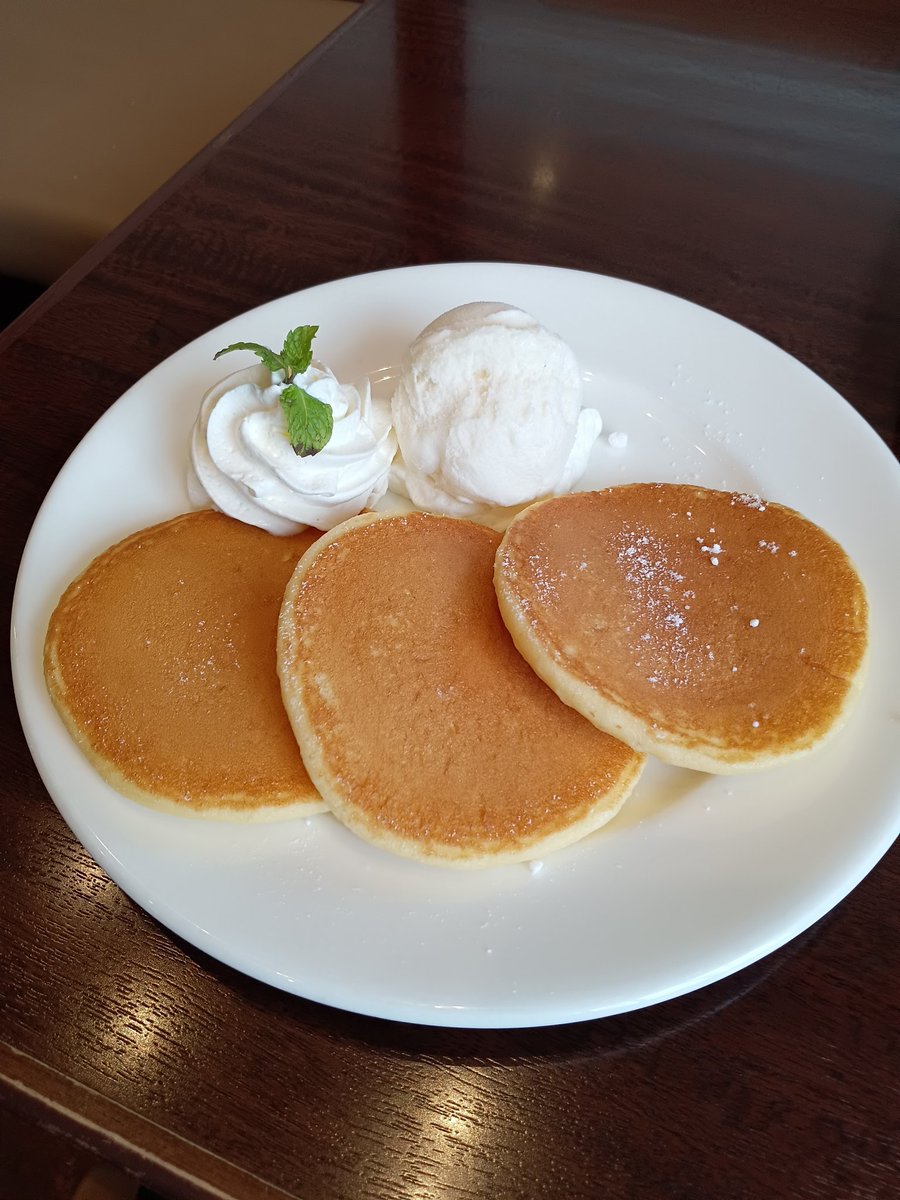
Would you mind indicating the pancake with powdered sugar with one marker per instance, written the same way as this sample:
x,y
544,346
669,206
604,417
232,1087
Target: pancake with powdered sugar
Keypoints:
x,y
712,629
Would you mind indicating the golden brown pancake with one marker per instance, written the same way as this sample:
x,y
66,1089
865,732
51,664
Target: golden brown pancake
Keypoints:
x,y
160,658
420,724
715,630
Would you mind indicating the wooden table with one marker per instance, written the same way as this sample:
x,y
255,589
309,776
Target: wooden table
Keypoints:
x,y
745,160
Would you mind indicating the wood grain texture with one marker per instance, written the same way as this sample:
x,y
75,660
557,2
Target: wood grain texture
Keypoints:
x,y
747,163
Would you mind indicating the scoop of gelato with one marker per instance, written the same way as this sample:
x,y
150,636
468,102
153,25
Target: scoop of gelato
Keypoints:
x,y
488,414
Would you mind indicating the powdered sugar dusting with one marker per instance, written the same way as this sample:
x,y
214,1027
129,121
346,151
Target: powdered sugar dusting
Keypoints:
x,y
749,500
713,551
545,583
665,637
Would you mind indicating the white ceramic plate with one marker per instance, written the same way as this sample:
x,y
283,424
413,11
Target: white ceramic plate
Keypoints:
x,y
697,877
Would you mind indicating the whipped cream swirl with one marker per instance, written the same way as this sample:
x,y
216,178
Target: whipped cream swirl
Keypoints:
x,y
242,461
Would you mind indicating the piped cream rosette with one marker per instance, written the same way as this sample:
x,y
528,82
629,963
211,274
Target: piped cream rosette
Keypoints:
x,y
242,461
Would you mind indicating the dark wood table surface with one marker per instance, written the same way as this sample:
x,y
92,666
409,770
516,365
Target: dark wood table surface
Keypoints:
x,y
747,159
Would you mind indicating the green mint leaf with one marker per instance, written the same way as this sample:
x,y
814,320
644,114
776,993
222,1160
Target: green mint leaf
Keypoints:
x,y
310,422
268,357
296,353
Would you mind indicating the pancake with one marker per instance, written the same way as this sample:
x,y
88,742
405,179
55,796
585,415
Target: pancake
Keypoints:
x,y
160,658
714,630
420,724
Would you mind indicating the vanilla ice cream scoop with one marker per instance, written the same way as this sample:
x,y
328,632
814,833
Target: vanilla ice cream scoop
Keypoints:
x,y
488,414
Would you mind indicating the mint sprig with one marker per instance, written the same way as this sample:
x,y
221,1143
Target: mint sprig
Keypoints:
x,y
268,357
296,353
310,422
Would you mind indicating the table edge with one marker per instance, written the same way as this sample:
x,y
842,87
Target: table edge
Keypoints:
x,y
158,1156
69,279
